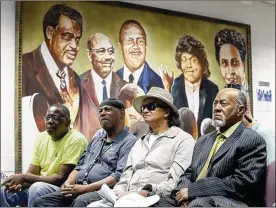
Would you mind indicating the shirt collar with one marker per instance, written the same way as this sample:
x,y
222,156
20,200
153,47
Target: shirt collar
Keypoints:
x,y
170,133
136,74
230,130
98,79
49,61
123,134
192,86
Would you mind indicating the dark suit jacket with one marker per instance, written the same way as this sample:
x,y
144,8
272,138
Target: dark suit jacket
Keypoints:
x,y
237,170
37,79
148,78
91,104
207,93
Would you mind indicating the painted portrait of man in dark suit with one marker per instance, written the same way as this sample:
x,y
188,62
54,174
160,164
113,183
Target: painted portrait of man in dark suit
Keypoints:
x,y
133,43
192,88
100,82
47,69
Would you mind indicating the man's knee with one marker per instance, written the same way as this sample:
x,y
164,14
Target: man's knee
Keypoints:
x,y
37,202
79,202
85,199
36,187
201,202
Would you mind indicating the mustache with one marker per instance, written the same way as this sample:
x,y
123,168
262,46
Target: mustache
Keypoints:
x,y
74,50
107,61
135,51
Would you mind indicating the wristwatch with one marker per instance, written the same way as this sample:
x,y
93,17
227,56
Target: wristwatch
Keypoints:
x,y
149,189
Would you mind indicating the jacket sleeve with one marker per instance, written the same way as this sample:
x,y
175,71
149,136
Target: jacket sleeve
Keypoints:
x,y
182,160
249,171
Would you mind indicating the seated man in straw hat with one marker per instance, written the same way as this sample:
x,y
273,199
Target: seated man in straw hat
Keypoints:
x,y
158,158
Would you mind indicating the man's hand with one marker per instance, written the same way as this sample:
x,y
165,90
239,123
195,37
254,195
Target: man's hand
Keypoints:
x,y
13,189
73,190
15,182
166,77
144,193
65,185
182,195
185,204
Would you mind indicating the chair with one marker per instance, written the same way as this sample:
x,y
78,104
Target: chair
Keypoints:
x,y
270,185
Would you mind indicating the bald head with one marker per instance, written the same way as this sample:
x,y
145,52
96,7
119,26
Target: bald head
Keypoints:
x,y
229,108
95,39
101,54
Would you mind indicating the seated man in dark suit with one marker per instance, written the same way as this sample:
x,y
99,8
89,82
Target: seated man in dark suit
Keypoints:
x,y
133,42
228,165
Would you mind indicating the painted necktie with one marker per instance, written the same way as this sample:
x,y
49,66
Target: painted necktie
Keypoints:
x,y
104,90
63,87
131,78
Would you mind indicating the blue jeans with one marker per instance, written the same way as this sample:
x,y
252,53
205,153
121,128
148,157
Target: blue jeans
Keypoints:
x,y
26,197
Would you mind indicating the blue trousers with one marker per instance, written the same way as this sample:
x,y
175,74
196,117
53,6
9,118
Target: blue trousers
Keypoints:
x,y
26,197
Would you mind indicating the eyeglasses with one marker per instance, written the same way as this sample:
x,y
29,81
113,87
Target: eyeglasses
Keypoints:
x,y
236,86
102,51
150,107
53,117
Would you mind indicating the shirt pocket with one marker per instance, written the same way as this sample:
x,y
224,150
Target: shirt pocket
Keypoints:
x,y
110,158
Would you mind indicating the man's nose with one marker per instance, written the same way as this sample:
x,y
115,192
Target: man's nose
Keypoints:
x,y
50,120
217,108
73,43
136,44
231,70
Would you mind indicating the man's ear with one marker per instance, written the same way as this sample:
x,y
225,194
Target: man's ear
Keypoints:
x,y
241,110
123,114
89,55
120,46
68,121
167,114
50,33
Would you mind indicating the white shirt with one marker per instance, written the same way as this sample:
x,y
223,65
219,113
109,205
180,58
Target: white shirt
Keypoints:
x,y
99,86
192,97
152,139
52,66
136,74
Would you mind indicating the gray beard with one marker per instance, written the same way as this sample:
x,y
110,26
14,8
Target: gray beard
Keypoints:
x,y
218,123
221,123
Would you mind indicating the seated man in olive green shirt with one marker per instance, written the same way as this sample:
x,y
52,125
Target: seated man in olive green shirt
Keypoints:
x,y
56,153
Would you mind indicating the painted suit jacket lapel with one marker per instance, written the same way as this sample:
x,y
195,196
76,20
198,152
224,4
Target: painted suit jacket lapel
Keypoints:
x,y
89,87
44,78
202,100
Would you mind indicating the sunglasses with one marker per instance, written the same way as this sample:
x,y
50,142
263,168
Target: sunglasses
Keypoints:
x,y
150,107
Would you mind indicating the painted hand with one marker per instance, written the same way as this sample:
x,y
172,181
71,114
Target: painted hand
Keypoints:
x,y
166,77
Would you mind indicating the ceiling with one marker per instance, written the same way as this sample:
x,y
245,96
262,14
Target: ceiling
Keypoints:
x,y
269,2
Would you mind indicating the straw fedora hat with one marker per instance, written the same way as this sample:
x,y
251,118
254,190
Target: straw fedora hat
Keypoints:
x,y
156,93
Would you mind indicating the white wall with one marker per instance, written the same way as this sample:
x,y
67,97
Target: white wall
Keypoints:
x,y
259,15
7,85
